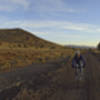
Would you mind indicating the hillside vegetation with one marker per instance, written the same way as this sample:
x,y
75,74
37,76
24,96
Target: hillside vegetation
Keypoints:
x,y
19,48
18,38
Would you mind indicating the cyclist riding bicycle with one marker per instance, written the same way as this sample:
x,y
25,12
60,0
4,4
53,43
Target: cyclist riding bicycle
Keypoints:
x,y
78,63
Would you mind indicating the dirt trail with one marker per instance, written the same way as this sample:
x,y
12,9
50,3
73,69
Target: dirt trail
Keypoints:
x,y
61,84
93,68
87,89
90,88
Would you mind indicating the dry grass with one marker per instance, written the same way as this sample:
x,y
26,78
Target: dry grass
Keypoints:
x,y
19,48
11,59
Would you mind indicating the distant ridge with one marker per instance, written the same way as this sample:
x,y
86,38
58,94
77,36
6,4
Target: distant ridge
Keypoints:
x,y
79,46
21,38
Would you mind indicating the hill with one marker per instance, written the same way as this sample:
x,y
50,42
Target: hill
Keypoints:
x,y
19,48
19,38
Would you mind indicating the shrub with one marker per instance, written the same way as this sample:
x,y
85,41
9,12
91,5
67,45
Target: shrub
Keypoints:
x,y
98,46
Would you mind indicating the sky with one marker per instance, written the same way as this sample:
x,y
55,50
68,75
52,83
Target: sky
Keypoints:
x,y
67,22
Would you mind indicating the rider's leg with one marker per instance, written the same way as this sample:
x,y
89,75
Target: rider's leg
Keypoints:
x,y
77,73
81,73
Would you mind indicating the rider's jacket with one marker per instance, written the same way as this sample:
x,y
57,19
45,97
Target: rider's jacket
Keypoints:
x,y
78,60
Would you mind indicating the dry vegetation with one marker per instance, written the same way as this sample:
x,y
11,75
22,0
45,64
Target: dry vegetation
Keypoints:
x,y
18,38
11,59
19,48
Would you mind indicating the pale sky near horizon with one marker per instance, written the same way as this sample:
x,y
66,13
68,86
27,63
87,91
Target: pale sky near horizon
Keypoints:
x,y
67,22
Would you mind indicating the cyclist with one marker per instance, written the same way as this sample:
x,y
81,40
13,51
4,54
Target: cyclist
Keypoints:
x,y
78,63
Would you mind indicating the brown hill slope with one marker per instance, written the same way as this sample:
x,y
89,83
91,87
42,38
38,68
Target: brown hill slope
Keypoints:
x,y
19,48
19,38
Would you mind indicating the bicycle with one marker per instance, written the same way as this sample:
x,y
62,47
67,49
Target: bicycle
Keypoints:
x,y
79,71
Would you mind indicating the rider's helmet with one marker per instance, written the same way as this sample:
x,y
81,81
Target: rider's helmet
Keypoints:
x,y
78,53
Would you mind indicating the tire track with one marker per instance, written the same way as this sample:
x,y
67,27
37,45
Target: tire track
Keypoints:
x,y
92,66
